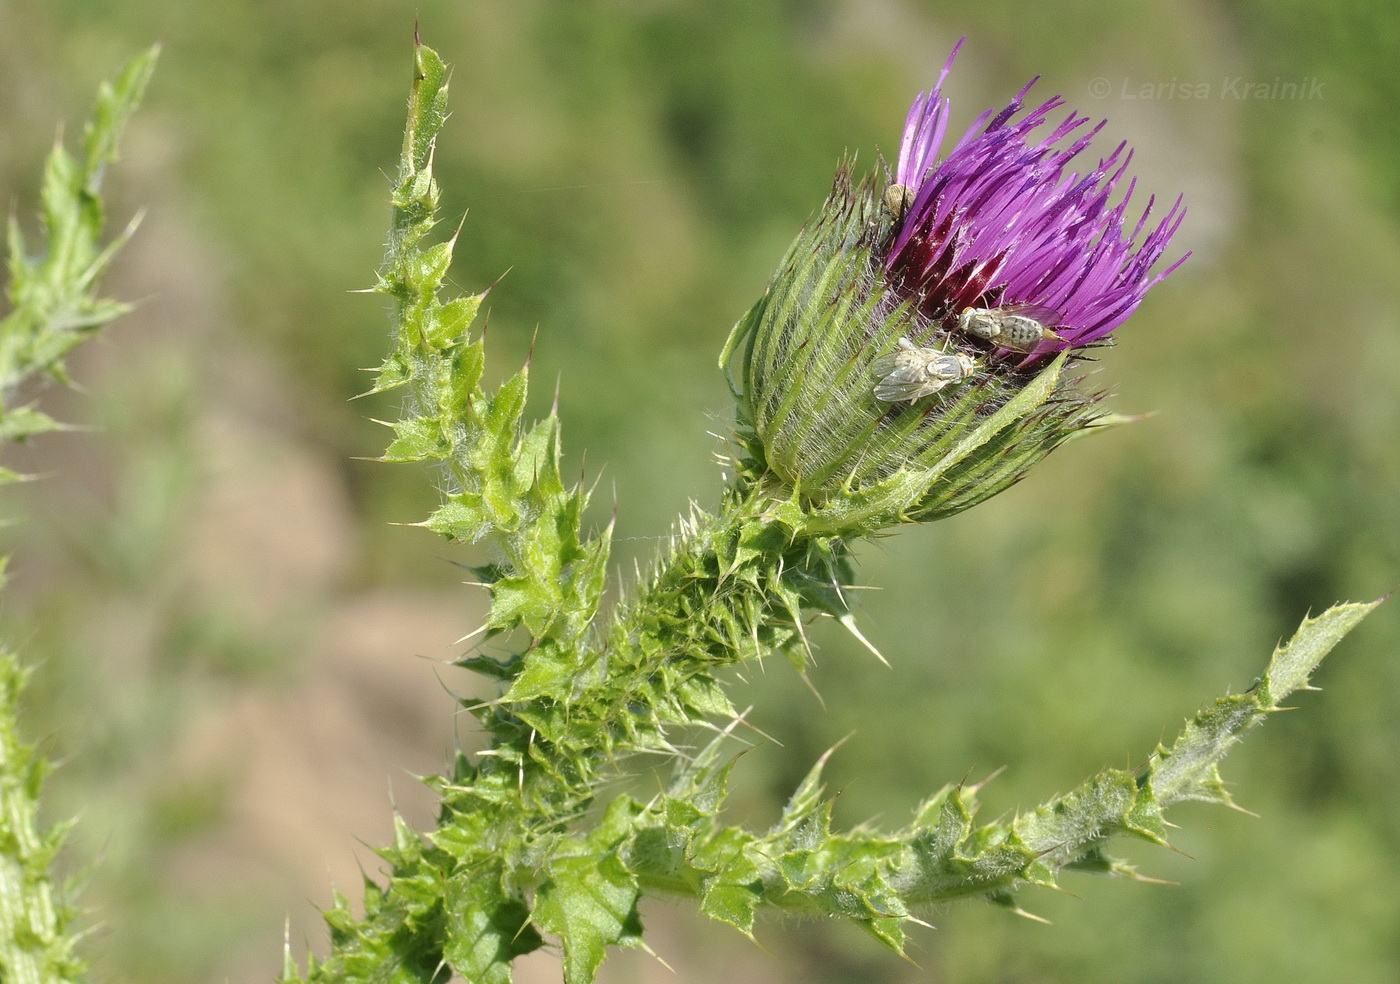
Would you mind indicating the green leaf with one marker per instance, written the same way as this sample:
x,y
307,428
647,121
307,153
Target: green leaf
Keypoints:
x,y
547,672
590,903
22,423
395,372
1188,770
453,321
486,929
115,104
54,295
460,518
427,110
1294,662
418,439
734,905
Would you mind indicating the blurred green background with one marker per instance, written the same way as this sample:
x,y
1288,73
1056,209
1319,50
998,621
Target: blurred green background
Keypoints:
x,y
227,623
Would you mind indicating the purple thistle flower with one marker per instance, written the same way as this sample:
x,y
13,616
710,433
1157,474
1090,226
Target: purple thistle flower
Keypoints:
x,y
899,366
999,222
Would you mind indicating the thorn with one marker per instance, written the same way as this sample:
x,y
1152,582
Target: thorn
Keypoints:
x,y
654,955
1017,910
813,687
754,940
523,926
906,956
475,632
806,645
1062,890
1148,879
849,623
976,787
495,282
755,729
826,755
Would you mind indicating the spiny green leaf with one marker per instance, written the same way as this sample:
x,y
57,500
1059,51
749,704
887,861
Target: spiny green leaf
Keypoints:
x,y
1188,770
486,928
453,321
427,110
22,423
418,439
732,904
590,903
54,295
115,104
461,518
1294,662
546,672
395,372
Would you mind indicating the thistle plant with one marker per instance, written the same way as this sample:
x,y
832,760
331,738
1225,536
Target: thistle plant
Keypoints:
x,y
983,281
54,304
923,343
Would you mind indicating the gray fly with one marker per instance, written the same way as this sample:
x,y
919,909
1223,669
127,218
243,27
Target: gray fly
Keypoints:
x,y
1019,327
911,372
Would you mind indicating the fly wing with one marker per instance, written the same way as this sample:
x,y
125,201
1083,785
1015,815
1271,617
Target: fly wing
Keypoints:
x,y
1046,315
894,388
899,381
885,364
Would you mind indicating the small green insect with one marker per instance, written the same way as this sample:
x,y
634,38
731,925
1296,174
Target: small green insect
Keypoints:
x,y
911,372
1019,327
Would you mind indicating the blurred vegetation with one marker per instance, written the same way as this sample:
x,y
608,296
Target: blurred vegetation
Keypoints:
x,y
637,168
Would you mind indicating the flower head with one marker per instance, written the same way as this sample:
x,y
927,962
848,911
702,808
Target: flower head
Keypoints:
x,y
910,351
1001,223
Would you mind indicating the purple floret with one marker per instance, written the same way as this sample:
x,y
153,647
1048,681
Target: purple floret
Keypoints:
x,y
999,222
